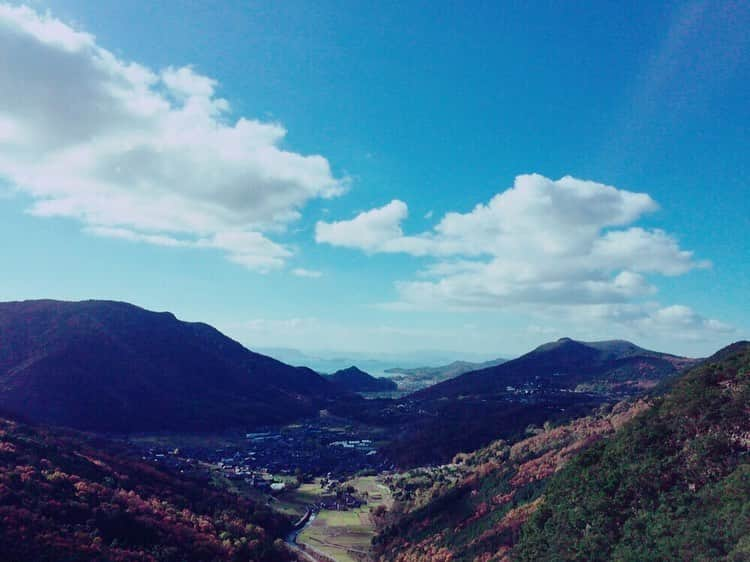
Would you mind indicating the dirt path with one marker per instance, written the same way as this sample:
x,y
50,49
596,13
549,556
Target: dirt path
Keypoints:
x,y
309,553
340,546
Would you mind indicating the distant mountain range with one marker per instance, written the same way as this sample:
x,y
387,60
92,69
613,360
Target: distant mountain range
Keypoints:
x,y
111,366
376,363
353,379
416,378
610,367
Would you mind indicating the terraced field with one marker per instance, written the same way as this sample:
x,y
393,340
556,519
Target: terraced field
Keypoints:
x,y
345,535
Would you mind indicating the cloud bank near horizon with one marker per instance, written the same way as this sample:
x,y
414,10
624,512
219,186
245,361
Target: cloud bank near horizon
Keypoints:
x,y
541,243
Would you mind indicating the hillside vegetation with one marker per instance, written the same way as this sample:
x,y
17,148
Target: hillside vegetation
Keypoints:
x,y
65,498
473,508
663,479
674,485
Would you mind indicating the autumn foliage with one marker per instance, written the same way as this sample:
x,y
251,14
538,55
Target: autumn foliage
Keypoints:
x,y
473,509
67,497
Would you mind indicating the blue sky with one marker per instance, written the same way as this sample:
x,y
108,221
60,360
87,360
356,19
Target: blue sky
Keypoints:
x,y
343,213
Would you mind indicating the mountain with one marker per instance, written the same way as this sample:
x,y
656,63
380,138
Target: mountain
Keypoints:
x,y
609,367
556,382
473,508
353,379
111,366
65,496
662,478
673,485
421,377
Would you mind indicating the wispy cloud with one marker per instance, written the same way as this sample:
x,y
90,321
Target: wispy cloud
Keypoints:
x,y
309,273
700,50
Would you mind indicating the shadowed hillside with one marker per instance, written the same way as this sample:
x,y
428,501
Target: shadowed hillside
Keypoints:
x,y
111,366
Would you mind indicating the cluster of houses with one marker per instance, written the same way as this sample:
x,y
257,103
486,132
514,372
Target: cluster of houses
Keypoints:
x,y
363,445
307,450
175,460
342,502
311,450
336,497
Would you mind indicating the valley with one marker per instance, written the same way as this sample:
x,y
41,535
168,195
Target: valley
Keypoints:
x,y
374,281
325,473
310,448
356,471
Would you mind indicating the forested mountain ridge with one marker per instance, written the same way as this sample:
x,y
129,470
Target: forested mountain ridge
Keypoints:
x,y
672,484
473,508
111,366
613,367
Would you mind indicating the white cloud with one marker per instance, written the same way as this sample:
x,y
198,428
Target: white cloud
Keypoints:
x,y
562,250
371,231
676,328
132,236
646,319
681,322
644,251
309,273
249,249
143,155
541,241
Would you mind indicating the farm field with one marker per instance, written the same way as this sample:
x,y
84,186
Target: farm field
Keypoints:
x,y
345,535
295,502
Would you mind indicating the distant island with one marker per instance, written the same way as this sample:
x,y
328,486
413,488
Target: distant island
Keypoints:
x,y
353,379
416,378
